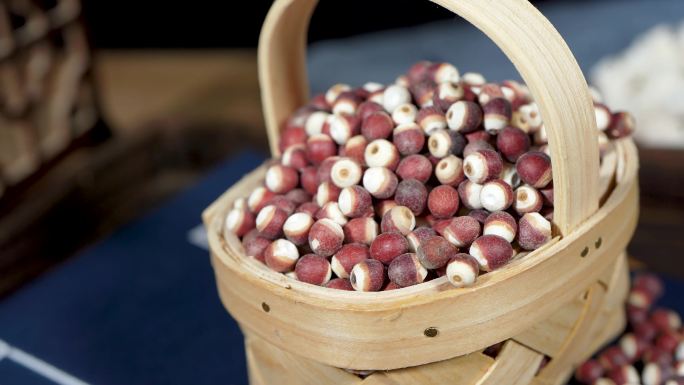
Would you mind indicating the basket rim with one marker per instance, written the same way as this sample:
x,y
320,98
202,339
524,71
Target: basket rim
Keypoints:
x,y
259,274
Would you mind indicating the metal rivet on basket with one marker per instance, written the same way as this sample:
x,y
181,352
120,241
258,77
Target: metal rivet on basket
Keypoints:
x,y
585,252
431,332
265,306
598,242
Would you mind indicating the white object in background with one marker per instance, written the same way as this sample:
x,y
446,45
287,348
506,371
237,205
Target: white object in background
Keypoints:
x,y
647,79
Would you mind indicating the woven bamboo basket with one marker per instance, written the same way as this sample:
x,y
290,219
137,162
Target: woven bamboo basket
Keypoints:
x,y
558,304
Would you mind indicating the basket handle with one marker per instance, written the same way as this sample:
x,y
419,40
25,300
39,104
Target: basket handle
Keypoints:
x,y
533,45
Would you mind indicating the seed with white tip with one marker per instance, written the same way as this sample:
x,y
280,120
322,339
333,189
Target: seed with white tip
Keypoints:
x,y
343,127
399,219
313,269
469,192
355,201
335,91
405,113
395,96
464,116
496,195
296,228
431,119
446,142
315,122
368,275
502,224
347,257
462,270
381,153
603,116
361,230
281,255
380,182
527,200
331,210
482,166
345,172
406,270
533,231
491,252
497,115
270,221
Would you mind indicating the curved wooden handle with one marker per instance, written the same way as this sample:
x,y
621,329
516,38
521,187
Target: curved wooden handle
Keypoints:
x,y
528,39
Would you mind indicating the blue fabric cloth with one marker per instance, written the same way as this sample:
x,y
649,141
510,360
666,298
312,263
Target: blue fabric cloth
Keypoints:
x,y
139,308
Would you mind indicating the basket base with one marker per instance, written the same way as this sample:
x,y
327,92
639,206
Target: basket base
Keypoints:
x,y
567,338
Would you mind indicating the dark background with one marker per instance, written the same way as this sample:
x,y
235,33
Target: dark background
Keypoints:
x,y
236,23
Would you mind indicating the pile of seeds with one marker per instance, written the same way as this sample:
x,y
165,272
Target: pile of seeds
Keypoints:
x,y
390,186
651,352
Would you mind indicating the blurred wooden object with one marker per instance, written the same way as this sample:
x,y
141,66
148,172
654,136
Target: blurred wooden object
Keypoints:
x,y
47,99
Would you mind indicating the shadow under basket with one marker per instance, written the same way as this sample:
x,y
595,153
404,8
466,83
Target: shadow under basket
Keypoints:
x,y
557,305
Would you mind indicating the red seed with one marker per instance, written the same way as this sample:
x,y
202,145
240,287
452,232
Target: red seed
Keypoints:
x,y
502,224
319,147
240,221
387,246
295,157
496,195
270,222
469,192
324,171
435,252
377,125
491,252
633,346
649,282
656,355
666,320
281,255
327,192
464,116
645,330
415,167
447,94
313,269
343,127
400,219
259,198
380,182
512,142
325,237
621,125
479,215
339,284
366,108
347,257
412,194
443,202
291,136
381,153
368,275
668,341
462,231
527,200
533,231
391,286
298,196
346,103
443,73
405,270
309,179
624,375
497,115
255,245
449,171
446,142
640,298
419,72
488,92
431,119
476,145
418,236
534,168
354,201
346,172
462,270
361,230
408,138
383,206
483,166
283,203
331,210
296,228
355,149
589,372
612,358
310,208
